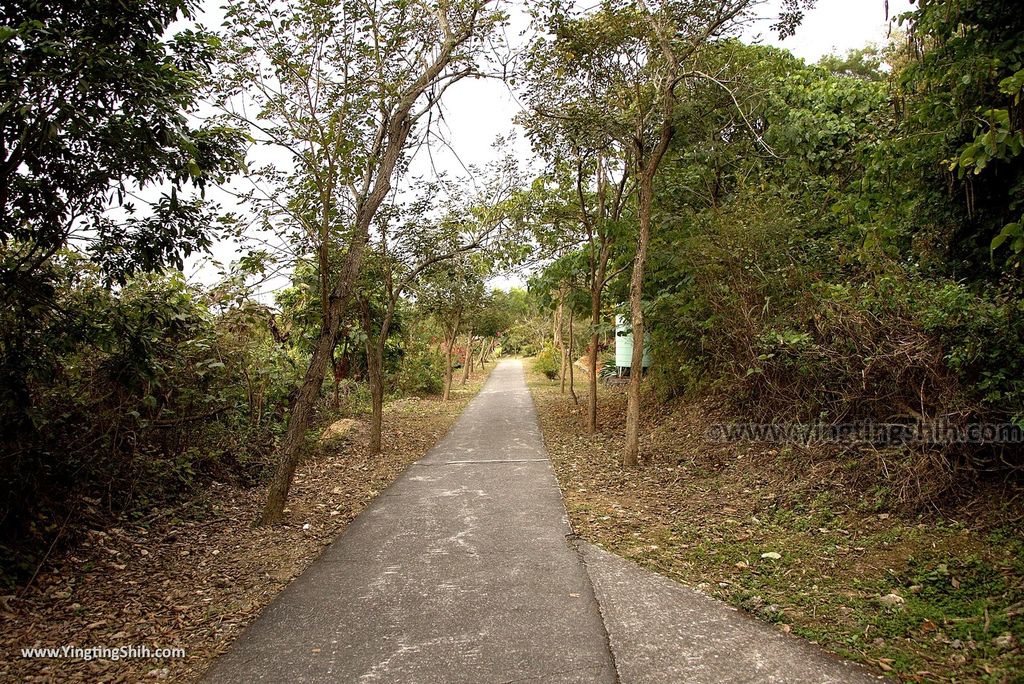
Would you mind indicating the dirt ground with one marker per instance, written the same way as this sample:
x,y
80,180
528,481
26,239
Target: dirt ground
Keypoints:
x,y
814,542
194,577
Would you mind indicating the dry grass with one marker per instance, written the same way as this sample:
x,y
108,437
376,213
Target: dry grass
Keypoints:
x,y
704,512
194,577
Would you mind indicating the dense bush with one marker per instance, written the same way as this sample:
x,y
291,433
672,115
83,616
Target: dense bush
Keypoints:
x,y
421,371
849,281
129,399
783,338
548,362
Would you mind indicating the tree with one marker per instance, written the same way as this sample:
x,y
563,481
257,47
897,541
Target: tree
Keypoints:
x,y
94,104
67,153
475,318
341,88
588,181
426,237
633,58
560,289
449,292
587,205
467,357
520,336
495,317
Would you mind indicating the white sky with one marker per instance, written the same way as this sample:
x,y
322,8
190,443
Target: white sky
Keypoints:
x,y
836,26
477,111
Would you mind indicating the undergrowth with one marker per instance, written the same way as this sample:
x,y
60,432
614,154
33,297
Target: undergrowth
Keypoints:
x,y
923,594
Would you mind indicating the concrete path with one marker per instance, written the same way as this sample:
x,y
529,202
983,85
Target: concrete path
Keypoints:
x,y
662,631
464,571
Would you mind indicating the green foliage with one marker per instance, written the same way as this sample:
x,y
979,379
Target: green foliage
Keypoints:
x,y
421,371
451,292
133,399
548,362
606,361
529,329
864,63
839,279
961,89
94,101
495,315
982,333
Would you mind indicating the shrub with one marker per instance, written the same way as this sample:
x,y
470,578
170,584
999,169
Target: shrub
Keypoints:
x,y
757,308
421,371
548,362
132,399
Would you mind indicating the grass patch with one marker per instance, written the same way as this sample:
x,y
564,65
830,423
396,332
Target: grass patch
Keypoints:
x,y
195,577
937,597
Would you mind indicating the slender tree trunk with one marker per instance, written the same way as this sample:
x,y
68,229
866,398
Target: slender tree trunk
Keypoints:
x,y
556,323
595,340
563,371
303,406
630,456
572,385
467,359
449,346
336,395
375,341
375,372
483,352
559,338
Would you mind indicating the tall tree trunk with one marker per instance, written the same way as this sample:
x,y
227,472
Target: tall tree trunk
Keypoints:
x,y
303,406
595,322
375,372
630,456
483,353
572,385
449,346
467,359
